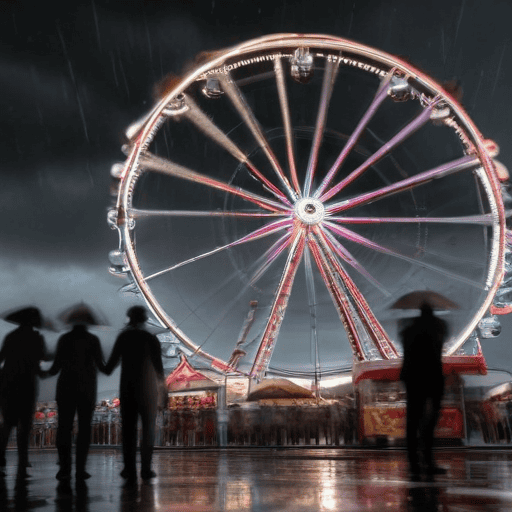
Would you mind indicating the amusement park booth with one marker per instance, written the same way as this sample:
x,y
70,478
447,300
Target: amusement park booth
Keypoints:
x,y
381,399
191,418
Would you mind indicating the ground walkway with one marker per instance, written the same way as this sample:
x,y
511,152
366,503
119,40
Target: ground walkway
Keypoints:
x,y
270,480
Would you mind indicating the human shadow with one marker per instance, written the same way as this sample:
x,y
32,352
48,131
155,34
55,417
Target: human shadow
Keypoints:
x,y
422,373
77,360
22,351
423,499
138,498
142,390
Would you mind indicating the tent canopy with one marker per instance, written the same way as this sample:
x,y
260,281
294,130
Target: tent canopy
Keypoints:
x,y
184,377
278,388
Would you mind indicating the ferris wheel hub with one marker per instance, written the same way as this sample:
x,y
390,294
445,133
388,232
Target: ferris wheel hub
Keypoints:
x,y
309,210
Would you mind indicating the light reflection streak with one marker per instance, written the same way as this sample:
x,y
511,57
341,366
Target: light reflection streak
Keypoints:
x,y
380,96
403,134
238,495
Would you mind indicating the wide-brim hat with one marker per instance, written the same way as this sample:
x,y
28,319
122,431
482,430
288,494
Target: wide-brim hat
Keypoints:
x,y
29,315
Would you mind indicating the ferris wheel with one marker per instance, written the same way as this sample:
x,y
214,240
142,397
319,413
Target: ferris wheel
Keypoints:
x,y
283,194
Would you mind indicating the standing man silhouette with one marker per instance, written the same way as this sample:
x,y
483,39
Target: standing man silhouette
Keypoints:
x,y
422,373
142,376
21,353
78,358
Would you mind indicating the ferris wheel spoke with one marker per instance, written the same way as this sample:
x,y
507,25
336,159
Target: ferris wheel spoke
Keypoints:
x,y
330,73
266,258
285,113
149,161
312,302
395,141
194,114
237,98
361,240
270,256
360,309
279,305
461,164
255,235
380,96
347,257
485,219
136,213
339,299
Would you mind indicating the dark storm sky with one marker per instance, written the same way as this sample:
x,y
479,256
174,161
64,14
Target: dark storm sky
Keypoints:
x,y
74,76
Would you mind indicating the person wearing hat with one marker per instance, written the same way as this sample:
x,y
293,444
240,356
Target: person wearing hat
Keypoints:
x,y
77,359
21,353
142,377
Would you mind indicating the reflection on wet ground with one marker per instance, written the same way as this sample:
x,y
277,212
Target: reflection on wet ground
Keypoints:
x,y
269,479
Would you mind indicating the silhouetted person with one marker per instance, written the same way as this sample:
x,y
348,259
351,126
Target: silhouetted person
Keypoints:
x,y
422,373
78,358
141,380
21,353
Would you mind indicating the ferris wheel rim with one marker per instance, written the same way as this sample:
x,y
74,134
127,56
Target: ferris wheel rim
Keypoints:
x,y
489,178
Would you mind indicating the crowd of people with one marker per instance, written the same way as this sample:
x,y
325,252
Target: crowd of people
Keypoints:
x,y
78,359
190,421
327,424
332,424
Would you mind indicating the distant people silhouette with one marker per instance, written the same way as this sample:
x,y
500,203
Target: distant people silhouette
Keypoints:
x,y
21,353
78,357
422,373
142,376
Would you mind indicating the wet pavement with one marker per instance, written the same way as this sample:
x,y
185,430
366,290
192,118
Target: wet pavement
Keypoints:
x,y
269,479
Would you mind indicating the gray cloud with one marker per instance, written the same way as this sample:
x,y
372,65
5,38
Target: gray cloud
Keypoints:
x,y
70,86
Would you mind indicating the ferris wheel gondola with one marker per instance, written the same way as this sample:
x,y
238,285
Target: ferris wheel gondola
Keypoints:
x,y
319,179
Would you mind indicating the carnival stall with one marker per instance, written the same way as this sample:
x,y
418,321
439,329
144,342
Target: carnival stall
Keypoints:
x,y
280,412
191,417
106,423
44,427
489,408
381,400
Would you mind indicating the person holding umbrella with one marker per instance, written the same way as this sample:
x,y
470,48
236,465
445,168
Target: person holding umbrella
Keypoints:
x,y
142,380
422,374
78,357
21,353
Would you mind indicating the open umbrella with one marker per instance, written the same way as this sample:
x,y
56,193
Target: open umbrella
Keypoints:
x,y
415,300
28,315
82,314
